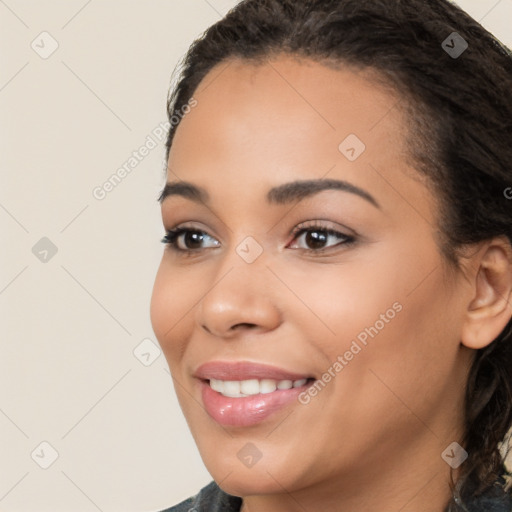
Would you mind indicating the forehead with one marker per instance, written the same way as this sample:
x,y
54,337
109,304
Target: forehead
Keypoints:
x,y
286,92
257,125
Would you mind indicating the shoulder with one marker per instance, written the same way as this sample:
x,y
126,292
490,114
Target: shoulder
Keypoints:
x,y
210,498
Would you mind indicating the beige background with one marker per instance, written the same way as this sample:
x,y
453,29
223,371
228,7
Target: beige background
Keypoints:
x,y
71,323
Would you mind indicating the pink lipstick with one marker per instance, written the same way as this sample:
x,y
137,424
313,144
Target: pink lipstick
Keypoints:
x,y
241,394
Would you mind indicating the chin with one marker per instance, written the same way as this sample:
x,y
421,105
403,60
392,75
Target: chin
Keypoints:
x,y
234,477
247,483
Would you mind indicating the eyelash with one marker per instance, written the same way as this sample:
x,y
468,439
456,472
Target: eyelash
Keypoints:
x,y
172,235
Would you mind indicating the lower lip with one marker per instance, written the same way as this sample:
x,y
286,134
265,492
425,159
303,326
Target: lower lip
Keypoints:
x,y
250,410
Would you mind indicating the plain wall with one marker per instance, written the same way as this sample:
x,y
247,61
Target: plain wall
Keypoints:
x,y
71,321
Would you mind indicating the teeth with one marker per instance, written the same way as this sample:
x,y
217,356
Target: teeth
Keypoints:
x,y
250,387
285,384
267,386
239,389
216,385
231,388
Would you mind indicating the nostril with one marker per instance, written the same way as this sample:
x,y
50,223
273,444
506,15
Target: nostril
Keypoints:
x,y
243,324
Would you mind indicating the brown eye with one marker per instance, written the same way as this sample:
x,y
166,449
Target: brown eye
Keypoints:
x,y
183,239
316,239
191,239
319,239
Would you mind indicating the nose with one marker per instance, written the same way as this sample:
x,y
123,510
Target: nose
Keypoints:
x,y
240,298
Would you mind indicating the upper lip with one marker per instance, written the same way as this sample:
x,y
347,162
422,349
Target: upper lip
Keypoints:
x,y
244,370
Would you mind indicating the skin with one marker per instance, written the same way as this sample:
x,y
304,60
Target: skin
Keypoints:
x,y
372,438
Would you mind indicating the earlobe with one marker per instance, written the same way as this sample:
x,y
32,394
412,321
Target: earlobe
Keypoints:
x,y
490,308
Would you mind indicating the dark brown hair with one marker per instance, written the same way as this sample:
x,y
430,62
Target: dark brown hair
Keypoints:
x,y
460,115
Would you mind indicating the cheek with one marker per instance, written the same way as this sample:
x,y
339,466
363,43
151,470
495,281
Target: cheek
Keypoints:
x,y
392,316
175,293
338,302
408,371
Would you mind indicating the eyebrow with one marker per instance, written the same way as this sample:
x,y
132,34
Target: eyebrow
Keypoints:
x,y
282,194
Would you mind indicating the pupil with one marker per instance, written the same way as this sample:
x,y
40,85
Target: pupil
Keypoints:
x,y
316,239
192,238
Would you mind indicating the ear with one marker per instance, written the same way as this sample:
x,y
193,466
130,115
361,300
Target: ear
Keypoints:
x,y
490,308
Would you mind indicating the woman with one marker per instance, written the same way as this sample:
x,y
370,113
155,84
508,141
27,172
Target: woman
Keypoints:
x,y
334,297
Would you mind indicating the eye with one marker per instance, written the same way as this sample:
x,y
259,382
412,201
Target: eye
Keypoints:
x,y
317,238
187,239
312,238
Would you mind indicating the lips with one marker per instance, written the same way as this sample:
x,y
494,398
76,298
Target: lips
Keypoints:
x,y
246,411
242,370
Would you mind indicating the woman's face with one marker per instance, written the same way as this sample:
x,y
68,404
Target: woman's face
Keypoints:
x,y
339,281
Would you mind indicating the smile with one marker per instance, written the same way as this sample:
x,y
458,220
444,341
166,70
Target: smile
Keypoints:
x,y
243,388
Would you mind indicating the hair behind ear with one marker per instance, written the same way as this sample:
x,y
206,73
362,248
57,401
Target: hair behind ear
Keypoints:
x,y
488,410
